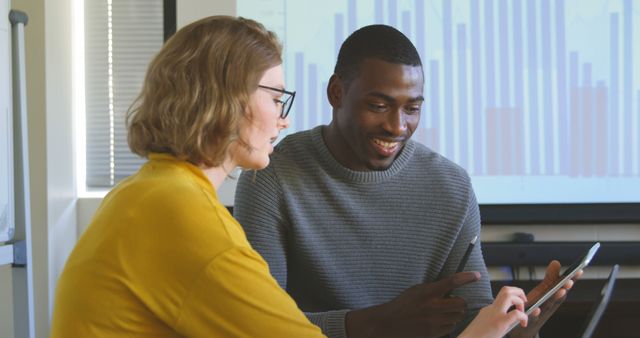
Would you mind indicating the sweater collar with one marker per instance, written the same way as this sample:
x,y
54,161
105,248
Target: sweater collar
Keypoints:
x,y
360,176
165,158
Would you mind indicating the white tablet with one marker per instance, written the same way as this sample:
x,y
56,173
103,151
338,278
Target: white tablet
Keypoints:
x,y
566,275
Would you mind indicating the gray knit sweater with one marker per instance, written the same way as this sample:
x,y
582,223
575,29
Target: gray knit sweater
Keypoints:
x,y
337,239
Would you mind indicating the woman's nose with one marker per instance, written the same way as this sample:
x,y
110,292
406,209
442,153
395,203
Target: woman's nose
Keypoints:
x,y
283,123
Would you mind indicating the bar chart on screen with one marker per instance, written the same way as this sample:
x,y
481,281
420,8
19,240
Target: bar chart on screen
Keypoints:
x,y
526,95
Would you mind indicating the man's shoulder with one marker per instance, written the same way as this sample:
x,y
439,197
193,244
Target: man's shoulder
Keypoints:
x,y
297,141
436,164
295,148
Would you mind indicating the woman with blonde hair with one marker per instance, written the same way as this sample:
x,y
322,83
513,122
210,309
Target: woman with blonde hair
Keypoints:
x,y
162,256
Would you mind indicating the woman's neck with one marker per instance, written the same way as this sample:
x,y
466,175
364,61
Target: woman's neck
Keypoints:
x,y
218,174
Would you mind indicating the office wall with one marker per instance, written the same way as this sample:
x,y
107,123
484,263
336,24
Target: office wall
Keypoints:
x,y
50,124
191,10
60,150
6,299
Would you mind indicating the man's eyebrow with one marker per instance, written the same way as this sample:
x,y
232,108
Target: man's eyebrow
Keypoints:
x,y
418,98
382,96
388,98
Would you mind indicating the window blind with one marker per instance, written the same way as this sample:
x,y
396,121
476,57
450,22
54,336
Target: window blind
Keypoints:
x,y
121,38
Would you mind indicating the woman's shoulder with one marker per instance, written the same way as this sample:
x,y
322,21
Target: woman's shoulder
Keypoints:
x,y
171,208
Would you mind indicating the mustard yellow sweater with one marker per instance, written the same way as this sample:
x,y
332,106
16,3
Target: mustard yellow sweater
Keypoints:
x,y
163,258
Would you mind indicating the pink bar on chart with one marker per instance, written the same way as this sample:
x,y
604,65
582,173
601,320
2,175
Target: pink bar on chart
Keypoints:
x,y
587,132
602,128
492,145
506,144
518,141
573,130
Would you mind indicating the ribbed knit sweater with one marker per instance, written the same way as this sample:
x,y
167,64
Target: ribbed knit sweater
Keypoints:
x,y
337,239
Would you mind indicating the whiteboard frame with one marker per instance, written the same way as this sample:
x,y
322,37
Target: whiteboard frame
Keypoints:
x,y
7,230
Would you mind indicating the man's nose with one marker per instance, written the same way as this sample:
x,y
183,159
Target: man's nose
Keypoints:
x,y
395,122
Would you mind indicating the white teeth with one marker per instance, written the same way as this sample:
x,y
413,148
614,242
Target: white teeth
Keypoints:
x,y
384,143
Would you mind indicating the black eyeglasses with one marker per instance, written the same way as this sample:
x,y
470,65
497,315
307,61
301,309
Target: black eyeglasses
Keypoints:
x,y
285,101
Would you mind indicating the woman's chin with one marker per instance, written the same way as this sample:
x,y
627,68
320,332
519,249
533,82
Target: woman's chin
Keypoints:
x,y
257,163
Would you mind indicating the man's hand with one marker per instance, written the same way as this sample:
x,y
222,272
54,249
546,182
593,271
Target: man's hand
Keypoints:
x,y
420,311
538,318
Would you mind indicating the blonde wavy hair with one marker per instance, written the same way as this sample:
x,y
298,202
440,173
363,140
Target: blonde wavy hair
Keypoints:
x,y
197,88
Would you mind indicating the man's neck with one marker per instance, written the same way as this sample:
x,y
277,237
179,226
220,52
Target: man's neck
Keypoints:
x,y
338,146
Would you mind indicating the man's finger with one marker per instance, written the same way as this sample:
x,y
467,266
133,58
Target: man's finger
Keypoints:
x,y
568,285
577,275
553,302
559,294
553,271
536,312
551,276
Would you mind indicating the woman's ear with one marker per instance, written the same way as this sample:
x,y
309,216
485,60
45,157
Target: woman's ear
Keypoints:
x,y
334,91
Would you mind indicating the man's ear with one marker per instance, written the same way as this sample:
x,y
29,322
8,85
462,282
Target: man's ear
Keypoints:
x,y
334,91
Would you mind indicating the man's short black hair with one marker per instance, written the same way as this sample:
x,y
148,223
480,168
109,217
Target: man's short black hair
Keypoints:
x,y
374,42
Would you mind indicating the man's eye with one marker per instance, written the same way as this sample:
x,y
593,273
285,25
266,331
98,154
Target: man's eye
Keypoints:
x,y
412,110
277,101
377,107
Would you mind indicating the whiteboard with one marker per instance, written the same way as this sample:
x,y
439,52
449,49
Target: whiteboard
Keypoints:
x,y
6,124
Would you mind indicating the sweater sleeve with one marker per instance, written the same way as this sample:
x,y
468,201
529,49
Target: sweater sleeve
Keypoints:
x,y
260,209
331,322
234,287
478,294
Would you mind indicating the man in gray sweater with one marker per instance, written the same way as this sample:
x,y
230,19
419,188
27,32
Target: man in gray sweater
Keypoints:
x,y
362,226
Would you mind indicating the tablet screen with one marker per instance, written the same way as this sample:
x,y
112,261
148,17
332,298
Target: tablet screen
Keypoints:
x,y
566,275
